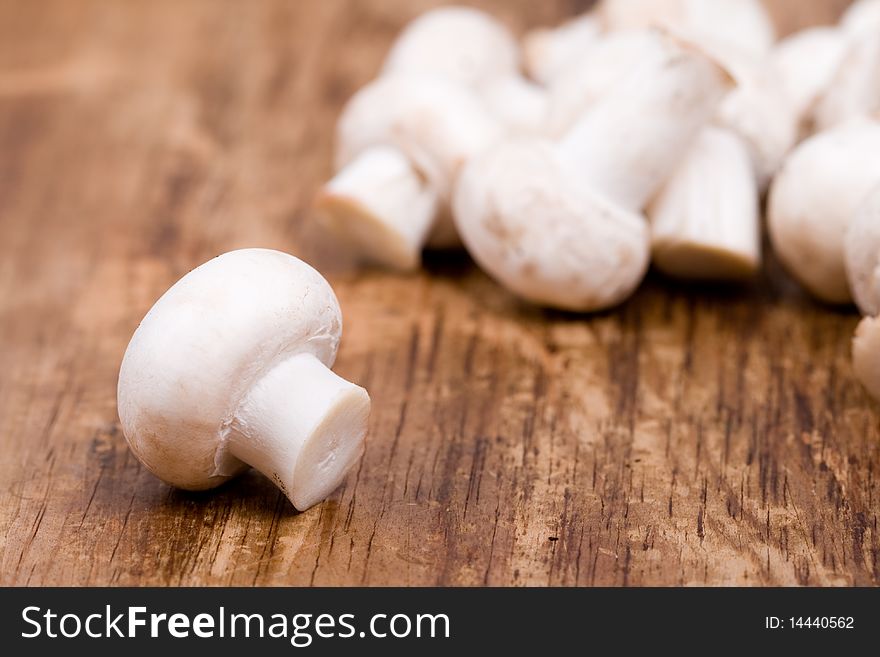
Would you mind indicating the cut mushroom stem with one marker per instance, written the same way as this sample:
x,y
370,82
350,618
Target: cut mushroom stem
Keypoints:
x,y
295,424
381,206
704,221
627,144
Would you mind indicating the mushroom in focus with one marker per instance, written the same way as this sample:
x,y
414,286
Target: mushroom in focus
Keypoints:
x,y
231,368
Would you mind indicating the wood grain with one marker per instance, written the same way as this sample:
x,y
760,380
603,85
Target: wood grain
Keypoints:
x,y
693,436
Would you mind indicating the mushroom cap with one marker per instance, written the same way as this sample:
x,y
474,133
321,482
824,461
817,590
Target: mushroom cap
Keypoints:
x,y
461,44
862,251
435,122
201,348
529,222
813,199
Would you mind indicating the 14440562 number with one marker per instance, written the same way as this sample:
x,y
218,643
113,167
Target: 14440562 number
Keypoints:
x,y
822,622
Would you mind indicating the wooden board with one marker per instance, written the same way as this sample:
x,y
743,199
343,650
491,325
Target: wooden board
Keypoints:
x,y
692,436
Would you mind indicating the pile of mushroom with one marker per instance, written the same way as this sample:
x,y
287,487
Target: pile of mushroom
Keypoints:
x,y
642,132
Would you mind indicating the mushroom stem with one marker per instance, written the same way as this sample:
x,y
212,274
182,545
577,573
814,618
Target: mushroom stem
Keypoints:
x,y
380,206
302,426
626,145
704,221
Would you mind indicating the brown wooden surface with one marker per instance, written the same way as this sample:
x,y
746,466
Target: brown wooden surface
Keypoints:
x,y
692,436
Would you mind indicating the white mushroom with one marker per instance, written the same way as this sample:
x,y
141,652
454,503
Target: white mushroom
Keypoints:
x,y
532,224
560,224
471,48
435,125
742,24
549,52
813,199
806,62
460,44
855,88
704,221
230,369
449,86
862,254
